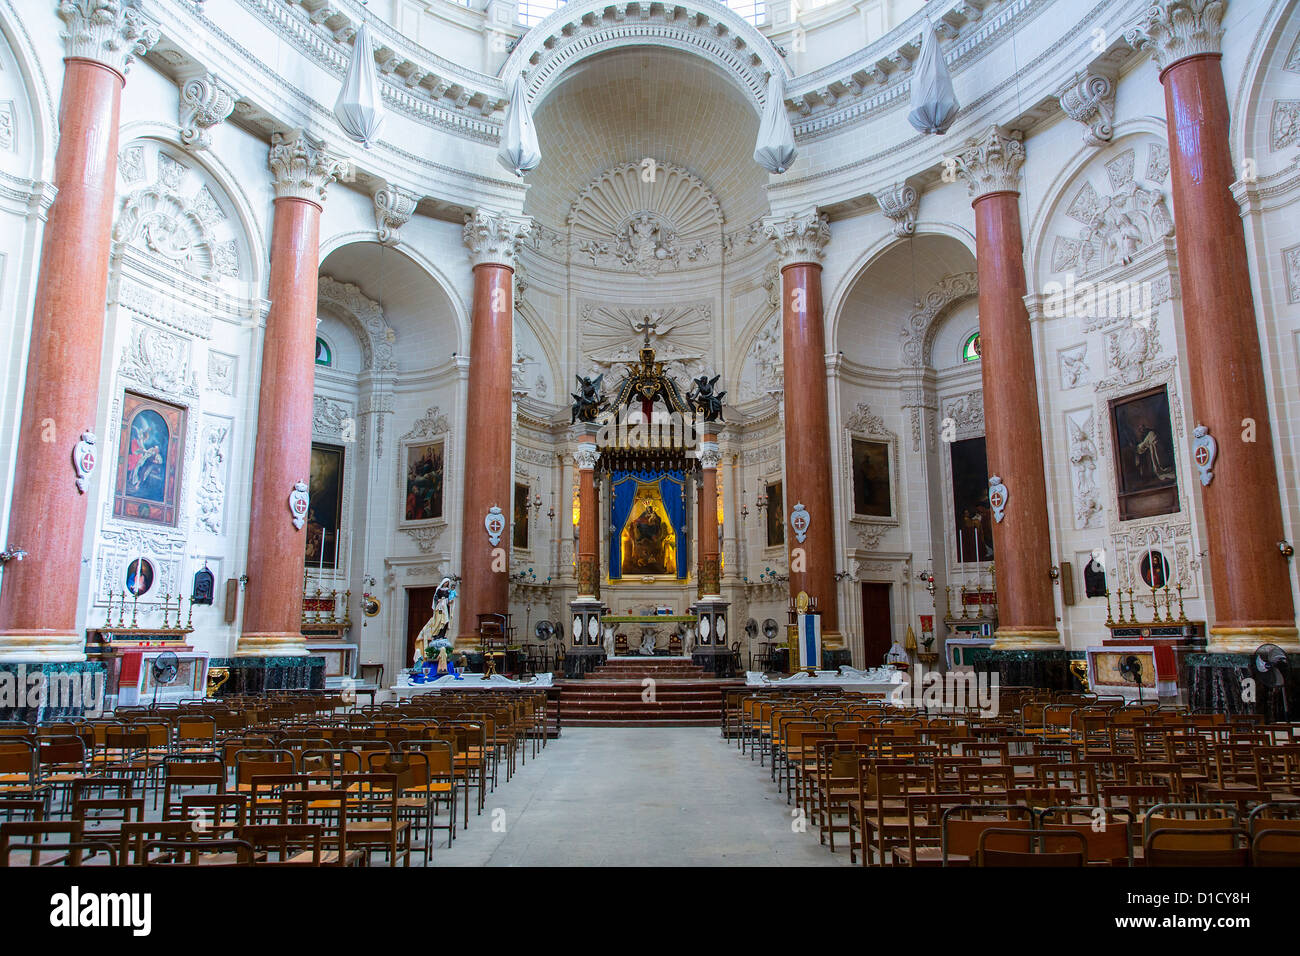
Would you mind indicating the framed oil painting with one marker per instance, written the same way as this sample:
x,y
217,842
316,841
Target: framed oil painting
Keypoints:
x,y
775,515
1146,476
150,454
872,497
422,498
970,500
519,533
325,508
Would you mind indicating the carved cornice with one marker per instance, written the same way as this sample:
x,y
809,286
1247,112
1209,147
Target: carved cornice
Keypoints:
x,y
112,32
1173,30
800,238
900,202
205,102
1089,99
991,162
393,210
493,237
302,167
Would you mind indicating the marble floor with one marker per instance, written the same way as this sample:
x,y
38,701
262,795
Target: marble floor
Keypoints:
x,y
671,796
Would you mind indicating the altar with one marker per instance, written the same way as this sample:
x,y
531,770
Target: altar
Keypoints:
x,y
649,628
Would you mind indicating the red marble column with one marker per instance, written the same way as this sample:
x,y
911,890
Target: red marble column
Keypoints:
x,y
1021,541
709,560
588,563
800,241
282,453
1251,581
485,585
47,518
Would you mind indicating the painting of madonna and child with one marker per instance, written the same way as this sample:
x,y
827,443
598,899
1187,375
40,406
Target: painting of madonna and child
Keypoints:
x,y
150,452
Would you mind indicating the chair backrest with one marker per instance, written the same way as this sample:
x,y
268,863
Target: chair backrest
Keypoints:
x,y
1275,847
963,824
1023,847
198,853
1203,846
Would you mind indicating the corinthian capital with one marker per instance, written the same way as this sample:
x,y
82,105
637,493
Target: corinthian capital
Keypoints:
x,y
492,237
206,101
1089,98
990,162
112,32
900,202
799,238
1175,29
301,166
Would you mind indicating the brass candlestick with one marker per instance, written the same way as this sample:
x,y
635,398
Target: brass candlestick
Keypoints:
x,y
316,609
121,611
963,602
1169,607
1109,619
993,586
1182,618
947,601
334,606
167,610
108,619
189,621
347,606
1155,608
135,602
1132,608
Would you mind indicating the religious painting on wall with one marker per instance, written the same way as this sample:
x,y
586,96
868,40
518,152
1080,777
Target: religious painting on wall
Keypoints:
x,y
1146,478
325,509
871,487
648,525
150,453
424,473
775,515
519,534
970,500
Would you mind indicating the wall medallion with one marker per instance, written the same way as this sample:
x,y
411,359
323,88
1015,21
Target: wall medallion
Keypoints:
x,y
998,498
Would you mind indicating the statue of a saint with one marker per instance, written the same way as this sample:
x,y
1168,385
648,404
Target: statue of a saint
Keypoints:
x,y
433,636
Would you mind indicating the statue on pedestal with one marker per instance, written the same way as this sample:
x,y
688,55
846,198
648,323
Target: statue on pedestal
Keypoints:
x,y
432,644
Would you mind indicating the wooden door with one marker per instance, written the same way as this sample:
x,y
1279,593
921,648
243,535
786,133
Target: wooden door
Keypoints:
x,y
877,626
419,608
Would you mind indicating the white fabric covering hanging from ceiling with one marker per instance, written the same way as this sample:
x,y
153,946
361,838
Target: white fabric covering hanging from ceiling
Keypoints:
x,y
519,150
934,104
775,150
360,106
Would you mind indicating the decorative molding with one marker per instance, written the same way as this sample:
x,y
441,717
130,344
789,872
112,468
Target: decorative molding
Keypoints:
x,y
215,475
348,303
1083,469
426,536
221,372
302,167
332,419
991,161
800,238
394,207
159,360
112,32
494,237
1284,124
967,412
1291,269
1089,98
1114,229
1073,366
919,330
1173,30
432,425
900,202
205,102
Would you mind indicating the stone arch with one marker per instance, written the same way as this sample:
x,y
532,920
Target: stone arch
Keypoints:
x,y
36,87
1267,104
347,303
922,325
583,28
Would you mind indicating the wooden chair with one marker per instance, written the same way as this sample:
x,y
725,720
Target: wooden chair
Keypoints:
x,y
198,853
1204,846
1024,847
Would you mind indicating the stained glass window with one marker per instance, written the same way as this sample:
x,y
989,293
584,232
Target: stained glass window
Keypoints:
x,y
970,352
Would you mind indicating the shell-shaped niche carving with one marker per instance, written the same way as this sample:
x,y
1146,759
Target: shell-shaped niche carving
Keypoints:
x,y
644,217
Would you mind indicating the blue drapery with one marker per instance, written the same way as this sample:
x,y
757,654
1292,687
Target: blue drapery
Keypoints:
x,y
623,487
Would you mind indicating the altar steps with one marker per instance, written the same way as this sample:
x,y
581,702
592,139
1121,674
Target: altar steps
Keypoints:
x,y
612,695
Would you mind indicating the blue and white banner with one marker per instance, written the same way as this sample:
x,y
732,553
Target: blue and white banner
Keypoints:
x,y
810,640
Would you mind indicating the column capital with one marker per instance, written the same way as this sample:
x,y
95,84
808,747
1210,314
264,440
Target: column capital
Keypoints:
x,y
394,207
1173,30
991,162
1089,98
800,238
586,456
710,454
302,167
493,237
900,202
112,32
206,101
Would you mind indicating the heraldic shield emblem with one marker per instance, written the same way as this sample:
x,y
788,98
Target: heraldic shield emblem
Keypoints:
x,y
298,504
1204,450
800,519
83,459
997,498
495,523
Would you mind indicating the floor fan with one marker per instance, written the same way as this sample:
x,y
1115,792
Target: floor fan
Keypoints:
x,y
163,670
1131,669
